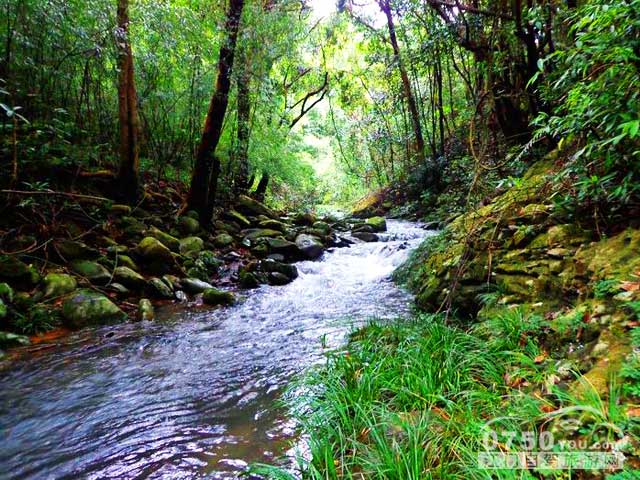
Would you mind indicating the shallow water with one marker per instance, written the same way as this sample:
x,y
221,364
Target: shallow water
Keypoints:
x,y
193,395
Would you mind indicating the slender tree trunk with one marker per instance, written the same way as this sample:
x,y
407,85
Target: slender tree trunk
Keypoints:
x,y
261,189
205,174
128,181
244,111
406,84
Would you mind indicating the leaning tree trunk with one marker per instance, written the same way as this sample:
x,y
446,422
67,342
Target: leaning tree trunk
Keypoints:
x,y
406,83
128,182
205,174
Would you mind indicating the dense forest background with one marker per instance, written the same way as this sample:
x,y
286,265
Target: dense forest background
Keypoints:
x,y
440,96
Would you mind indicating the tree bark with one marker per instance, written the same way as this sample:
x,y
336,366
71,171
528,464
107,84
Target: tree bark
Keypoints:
x,y
261,189
128,181
205,174
243,79
406,84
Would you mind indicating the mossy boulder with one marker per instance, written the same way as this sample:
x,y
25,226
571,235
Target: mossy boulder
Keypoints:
x,y
379,224
273,266
272,224
129,278
253,235
145,310
92,271
3,309
126,261
58,284
194,286
249,206
74,250
305,219
213,296
310,246
153,250
365,236
188,225
86,307
6,293
169,241
223,240
16,272
248,279
158,288
191,246
238,218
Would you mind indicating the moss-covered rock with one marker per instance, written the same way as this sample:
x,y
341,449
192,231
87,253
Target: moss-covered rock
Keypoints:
x,y
310,246
16,272
158,288
58,284
129,278
222,240
188,225
379,224
6,292
169,241
92,271
9,340
145,310
250,206
152,250
191,246
213,296
74,250
86,307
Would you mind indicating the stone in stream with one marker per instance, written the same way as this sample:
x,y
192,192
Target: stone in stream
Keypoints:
x,y
273,225
73,250
277,278
254,234
272,266
248,279
379,224
92,271
57,284
363,228
365,236
310,246
86,307
213,296
194,286
159,289
322,227
145,310
152,250
306,219
129,278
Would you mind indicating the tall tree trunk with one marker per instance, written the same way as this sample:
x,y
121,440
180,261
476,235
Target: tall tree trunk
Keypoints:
x,y
406,84
261,189
128,181
205,174
243,79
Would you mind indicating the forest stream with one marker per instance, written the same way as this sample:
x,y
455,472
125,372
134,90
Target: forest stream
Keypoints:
x,y
192,395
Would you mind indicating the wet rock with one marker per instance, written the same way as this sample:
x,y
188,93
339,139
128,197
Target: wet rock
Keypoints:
x,y
159,289
222,240
272,266
306,219
365,236
152,250
181,296
188,225
6,293
92,271
213,296
252,235
210,261
250,206
9,340
3,309
119,289
86,307
126,261
237,217
58,284
194,286
379,224
191,246
72,250
277,278
248,279
273,225
145,310
261,250
322,227
310,246
114,250
169,241
132,227
363,228
17,272
129,278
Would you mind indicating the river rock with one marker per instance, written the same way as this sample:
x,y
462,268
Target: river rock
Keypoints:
x,y
248,279
222,240
188,225
120,290
210,261
309,245
72,250
145,310
92,271
305,219
213,296
3,309
323,227
379,224
129,278
127,261
194,286
86,307
159,289
17,272
191,246
238,218
169,241
363,228
6,293
272,224
252,235
58,284
152,250
253,207
272,266
365,236
277,278
132,227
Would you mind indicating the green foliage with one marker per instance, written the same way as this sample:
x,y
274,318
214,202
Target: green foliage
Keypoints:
x,y
593,82
606,288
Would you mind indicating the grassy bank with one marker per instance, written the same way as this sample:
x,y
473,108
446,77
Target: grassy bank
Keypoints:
x,y
419,399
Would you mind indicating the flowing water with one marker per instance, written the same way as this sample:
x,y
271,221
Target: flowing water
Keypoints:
x,y
192,395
